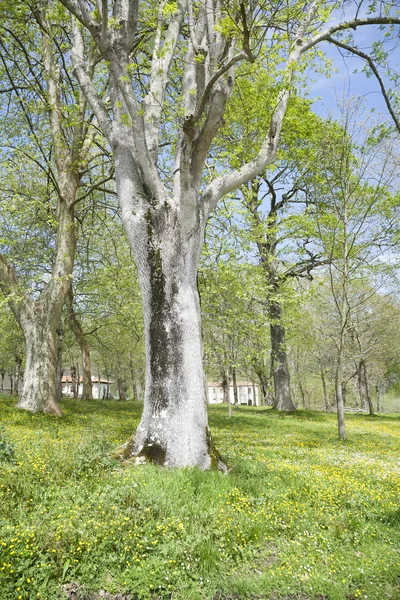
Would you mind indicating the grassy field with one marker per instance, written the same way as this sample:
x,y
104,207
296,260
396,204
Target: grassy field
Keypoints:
x,y
300,516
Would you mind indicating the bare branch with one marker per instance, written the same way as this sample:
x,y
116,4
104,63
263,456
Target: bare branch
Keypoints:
x,y
324,35
373,68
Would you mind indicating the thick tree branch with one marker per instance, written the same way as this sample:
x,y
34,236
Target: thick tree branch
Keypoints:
x,y
230,63
160,66
94,99
79,9
324,35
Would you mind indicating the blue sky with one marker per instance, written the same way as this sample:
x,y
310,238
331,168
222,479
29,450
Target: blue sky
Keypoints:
x,y
344,81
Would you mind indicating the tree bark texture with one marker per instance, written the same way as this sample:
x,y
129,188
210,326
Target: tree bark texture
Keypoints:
x,y
364,391
173,430
282,398
326,396
225,388
379,393
59,371
235,388
40,318
339,389
39,386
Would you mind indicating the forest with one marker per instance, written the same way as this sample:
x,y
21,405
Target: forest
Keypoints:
x,y
199,270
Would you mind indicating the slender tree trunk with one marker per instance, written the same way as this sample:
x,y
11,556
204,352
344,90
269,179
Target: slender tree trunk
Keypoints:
x,y
362,392
339,396
303,396
326,397
364,385
282,397
2,374
226,387
133,379
59,371
235,388
79,334
379,391
265,396
344,392
18,370
11,376
74,382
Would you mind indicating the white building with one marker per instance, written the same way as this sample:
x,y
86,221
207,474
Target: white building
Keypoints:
x,y
99,387
248,393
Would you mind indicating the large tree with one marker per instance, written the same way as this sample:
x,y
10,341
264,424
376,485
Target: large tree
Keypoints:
x,y
48,140
170,71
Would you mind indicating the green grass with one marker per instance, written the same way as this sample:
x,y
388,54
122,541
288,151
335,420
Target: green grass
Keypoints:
x,y
301,515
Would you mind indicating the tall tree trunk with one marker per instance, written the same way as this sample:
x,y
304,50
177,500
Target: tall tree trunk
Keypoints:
x,y
235,388
226,389
282,396
344,392
18,370
74,384
379,392
121,389
364,384
11,376
77,329
2,374
173,429
265,396
361,386
59,370
39,325
326,397
339,382
39,318
133,379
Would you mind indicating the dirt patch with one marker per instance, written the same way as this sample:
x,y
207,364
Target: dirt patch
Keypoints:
x,y
74,591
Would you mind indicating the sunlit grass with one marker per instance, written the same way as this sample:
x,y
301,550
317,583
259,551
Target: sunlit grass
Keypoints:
x,y
301,515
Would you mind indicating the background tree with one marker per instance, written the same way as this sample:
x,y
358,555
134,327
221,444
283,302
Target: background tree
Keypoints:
x,y
48,125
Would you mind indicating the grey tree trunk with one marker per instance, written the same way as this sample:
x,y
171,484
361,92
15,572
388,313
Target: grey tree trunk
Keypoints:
x,y
282,397
18,371
173,430
326,397
39,387
365,395
121,389
361,386
59,371
74,381
235,389
379,393
225,387
133,378
2,374
339,395
77,330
